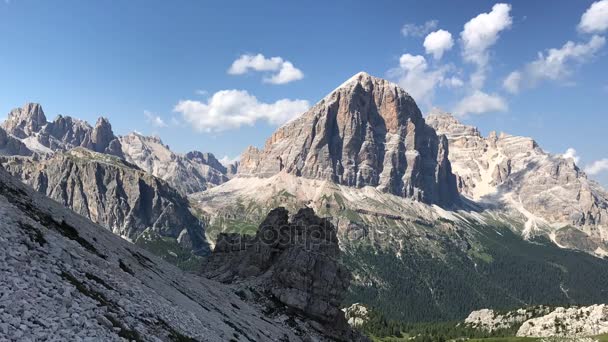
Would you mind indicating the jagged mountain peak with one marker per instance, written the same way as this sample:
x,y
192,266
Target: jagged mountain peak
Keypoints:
x,y
24,121
368,132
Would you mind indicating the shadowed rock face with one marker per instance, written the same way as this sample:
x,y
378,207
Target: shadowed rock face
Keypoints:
x,y
297,261
113,193
11,146
368,132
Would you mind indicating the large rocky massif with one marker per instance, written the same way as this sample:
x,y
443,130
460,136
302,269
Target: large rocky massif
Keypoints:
x,y
368,132
549,192
66,278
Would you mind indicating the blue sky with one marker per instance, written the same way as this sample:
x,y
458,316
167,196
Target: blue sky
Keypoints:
x,y
166,67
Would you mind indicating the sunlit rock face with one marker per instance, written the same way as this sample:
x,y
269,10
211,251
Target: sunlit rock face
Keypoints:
x,y
367,132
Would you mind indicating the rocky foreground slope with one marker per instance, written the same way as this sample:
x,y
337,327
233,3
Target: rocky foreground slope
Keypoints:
x,y
367,132
549,192
66,278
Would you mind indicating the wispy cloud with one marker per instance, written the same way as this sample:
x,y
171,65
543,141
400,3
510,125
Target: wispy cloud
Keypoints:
x,y
597,167
154,119
554,64
419,31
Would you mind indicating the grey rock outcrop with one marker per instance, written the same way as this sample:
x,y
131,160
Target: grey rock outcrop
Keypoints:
x,y
568,322
297,262
113,193
190,173
368,132
11,146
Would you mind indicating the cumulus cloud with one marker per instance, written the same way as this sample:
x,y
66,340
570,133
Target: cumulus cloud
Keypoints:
x,y
286,74
154,119
438,42
413,30
597,167
479,102
555,64
230,109
481,33
418,80
282,71
571,154
595,19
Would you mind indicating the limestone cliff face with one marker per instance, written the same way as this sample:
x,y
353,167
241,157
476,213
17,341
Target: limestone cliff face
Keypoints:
x,y
368,132
111,192
515,171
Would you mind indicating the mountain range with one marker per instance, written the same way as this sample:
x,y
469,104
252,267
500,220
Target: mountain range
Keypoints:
x,y
432,219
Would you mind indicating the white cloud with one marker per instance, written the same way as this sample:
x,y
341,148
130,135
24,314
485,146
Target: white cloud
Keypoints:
x,y
413,30
288,73
571,154
595,19
512,82
154,119
481,33
201,92
479,102
597,167
438,42
415,77
555,64
227,161
284,71
230,109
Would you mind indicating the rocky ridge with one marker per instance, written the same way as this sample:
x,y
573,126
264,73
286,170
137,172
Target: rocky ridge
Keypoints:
x,y
297,260
551,194
65,278
111,192
368,132
189,173
30,125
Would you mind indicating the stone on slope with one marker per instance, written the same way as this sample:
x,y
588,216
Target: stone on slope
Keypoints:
x,y
368,132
